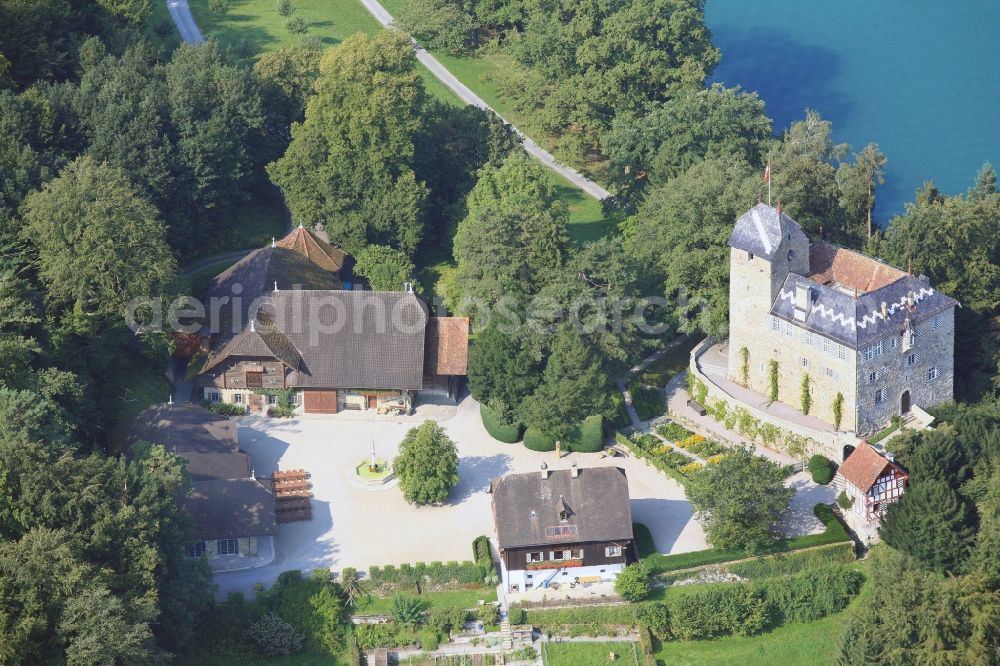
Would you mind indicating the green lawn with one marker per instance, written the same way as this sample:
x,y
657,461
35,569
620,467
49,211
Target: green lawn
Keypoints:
x,y
445,599
675,360
589,654
258,25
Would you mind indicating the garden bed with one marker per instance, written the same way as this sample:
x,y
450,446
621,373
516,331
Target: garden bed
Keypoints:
x,y
589,653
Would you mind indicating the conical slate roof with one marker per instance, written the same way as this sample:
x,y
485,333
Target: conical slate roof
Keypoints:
x,y
318,251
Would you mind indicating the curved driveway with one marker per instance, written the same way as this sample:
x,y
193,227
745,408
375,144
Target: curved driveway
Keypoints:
x,y
181,14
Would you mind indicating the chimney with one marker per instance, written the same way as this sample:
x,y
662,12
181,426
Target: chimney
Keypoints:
x,y
779,206
545,471
821,232
889,456
909,266
252,328
803,302
574,471
885,310
276,286
273,244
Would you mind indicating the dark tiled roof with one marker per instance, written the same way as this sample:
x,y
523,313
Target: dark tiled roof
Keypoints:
x,y
856,322
354,339
231,508
759,231
262,341
447,346
526,507
205,440
254,277
864,466
314,248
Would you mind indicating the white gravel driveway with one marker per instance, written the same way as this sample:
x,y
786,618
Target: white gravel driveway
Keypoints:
x,y
357,527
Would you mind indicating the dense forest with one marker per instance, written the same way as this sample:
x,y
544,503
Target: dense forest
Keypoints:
x,y
122,159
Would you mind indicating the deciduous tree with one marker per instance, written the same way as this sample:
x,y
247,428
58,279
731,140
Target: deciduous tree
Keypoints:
x,y
427,464
741,500
350,163
385,268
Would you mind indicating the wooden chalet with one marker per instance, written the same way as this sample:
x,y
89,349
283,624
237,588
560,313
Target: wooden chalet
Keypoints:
x,y
561,527
872,481
280,318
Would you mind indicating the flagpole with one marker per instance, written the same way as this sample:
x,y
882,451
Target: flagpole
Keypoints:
x,y
767,179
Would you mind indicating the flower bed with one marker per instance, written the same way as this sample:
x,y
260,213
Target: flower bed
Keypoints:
x,y
673,431
661,456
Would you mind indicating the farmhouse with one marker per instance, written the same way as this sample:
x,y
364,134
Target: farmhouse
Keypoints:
x,y
562,526
282,318
233,512
868,341
871,482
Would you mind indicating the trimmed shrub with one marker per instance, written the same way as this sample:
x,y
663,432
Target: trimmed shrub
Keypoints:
x,y
517,616
822,469
297,25
632,583
225,408
537,441
648,402
844,502
273,637
656,618
591,435
507,433
481,550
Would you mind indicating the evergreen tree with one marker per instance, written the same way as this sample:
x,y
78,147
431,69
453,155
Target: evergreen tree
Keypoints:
x,y
503,369
939,456
573,387
933,524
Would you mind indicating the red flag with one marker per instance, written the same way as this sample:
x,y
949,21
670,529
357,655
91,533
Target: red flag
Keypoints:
x,y
767,172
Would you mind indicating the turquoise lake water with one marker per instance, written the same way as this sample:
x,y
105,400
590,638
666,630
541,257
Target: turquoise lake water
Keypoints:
x,y
919,77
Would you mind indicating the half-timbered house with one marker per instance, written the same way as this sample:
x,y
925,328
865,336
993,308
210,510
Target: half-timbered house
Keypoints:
x,y
562,527
872,482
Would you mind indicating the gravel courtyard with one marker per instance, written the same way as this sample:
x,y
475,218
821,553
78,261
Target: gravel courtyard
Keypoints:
x,y
359,527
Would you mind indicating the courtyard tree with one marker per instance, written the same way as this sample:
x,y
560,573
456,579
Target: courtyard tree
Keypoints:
x,y
741,500
350,163
427,464
503,369
632,582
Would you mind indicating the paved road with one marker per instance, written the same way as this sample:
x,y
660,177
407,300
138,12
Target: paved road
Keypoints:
x,y
469,97
181,14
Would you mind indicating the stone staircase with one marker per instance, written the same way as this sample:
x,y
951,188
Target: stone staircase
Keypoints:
x,y
506,635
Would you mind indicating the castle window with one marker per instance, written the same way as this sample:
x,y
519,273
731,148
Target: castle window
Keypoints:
x,y
895,341
873,350
932,373
749,256
841,352
871,377
879,395
803,361
936,322
829,372
912,359
775,324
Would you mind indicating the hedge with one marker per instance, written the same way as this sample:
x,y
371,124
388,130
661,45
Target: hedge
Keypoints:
x,y
787,564
481,550
719,610
811,595
536,441
463,573
834,533
498,430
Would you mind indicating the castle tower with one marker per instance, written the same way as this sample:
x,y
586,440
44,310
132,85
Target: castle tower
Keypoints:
x,y
765,246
